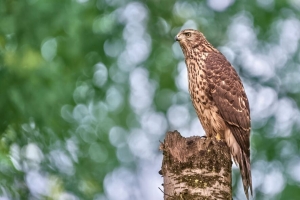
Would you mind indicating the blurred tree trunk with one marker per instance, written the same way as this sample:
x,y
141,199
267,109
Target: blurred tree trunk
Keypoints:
x,y
193,171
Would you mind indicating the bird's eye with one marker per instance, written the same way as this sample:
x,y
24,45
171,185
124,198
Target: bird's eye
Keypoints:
x,y
188,34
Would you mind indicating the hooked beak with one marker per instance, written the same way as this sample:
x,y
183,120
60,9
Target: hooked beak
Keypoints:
x,y
176,38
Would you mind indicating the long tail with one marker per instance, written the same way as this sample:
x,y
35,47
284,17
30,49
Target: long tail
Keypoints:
x,y
243,161
245,168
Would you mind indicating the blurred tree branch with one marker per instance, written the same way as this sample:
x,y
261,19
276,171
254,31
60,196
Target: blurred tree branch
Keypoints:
x,y
193,171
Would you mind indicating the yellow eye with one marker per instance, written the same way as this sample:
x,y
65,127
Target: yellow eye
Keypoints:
x,y
188,34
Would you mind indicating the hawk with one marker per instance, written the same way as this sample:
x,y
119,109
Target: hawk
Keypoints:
x,y
219,98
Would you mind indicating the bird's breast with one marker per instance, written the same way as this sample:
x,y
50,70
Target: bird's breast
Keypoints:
x,y
198,85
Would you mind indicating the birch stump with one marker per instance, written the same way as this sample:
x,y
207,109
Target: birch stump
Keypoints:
x,y
194,171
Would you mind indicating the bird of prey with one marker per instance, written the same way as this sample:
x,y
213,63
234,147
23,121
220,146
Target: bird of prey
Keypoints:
x,y
219,98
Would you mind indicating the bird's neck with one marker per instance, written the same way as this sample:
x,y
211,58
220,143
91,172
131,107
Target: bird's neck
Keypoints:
x,y
200,47
204,47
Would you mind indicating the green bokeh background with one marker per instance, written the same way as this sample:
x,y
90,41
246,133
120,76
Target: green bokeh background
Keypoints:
x,y
88,88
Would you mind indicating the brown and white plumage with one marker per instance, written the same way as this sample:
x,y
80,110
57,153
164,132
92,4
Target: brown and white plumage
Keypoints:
x,y
219,98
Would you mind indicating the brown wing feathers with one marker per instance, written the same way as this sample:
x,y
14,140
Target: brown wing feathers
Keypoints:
x,y
228,95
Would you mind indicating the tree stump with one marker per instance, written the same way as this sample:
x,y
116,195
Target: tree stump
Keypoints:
x,y
194,171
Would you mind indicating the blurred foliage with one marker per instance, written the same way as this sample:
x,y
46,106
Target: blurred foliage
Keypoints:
x,y
80,79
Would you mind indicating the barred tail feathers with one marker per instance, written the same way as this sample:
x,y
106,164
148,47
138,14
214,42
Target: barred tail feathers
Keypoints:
x,y
244,165
242,160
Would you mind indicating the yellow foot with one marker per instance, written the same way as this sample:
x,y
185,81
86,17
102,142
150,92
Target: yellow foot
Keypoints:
x,y
218,137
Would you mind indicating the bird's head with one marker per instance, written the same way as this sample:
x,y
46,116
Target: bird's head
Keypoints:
x,y
190,39
188,36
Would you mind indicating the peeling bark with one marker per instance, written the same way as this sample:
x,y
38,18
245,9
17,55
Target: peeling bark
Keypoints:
x,y
193,171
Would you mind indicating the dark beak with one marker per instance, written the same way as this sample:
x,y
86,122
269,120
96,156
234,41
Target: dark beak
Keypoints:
x,y
176,38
